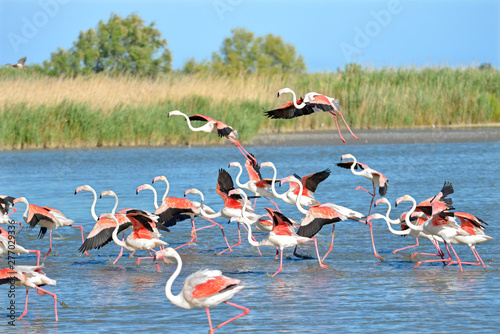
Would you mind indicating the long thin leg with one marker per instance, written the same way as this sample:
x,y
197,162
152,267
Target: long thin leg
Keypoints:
x,y
209,320
121,250
416,245
331,244
50,245
276,205
335,116
236,244
37,252
439,253
319,257
42,292
245,312
456,256
194,237
373,244
25,306
281,262
438,260
83,239
348,128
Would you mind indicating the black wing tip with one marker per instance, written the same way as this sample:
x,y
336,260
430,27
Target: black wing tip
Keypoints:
x,y
447,189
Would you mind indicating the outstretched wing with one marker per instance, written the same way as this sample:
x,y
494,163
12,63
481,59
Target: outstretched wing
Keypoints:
x,y
288,111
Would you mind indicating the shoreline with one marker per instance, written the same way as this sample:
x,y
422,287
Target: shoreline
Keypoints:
x,y
331,138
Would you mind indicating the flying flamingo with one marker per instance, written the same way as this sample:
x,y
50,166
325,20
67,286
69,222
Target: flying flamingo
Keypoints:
x,y
20,64
204,288
47,218
102,231
30,277
281,236
371,174
311,102
9,244
321,214
420,218
309,182
439,224
212,126
6,203
174,209
256,184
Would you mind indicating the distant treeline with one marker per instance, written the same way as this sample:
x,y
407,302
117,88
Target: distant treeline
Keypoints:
x,y
41,111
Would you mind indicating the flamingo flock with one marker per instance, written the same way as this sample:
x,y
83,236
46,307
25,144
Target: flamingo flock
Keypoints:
x,y
434,219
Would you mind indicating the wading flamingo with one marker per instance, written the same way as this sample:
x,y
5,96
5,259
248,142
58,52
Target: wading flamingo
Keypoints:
x,y
47,218
19,65
311,102
371,174
281,236
321,214
309,182
8,244
212,126
204,288
30,277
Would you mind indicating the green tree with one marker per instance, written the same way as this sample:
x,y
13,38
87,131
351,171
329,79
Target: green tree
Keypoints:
x,y
119,45
245,53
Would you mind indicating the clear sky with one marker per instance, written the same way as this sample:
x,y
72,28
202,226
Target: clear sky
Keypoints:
x,y
327,33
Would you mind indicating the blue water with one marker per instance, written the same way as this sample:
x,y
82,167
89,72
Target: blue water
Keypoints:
x,y
357,294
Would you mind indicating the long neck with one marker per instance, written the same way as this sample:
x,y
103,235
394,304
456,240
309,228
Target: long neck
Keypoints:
x,y
408,215
179,299
203,212
189,123
115,237
273,189
25,214
389,220
299,197
240,185
298,106
354,163
155,197
92,208
116,204
166,191
393,231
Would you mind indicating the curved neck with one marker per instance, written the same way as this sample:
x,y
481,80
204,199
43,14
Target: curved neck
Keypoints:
x,y
408,215
354,163
203,212
92,208
299,197
251,240
25,214
389,220
240,185
116,204
176,300
393,231
189,123
155,197
298,106
273,189
166,191
115,236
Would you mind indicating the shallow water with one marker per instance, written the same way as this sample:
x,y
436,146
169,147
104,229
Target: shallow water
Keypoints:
x,y
357,294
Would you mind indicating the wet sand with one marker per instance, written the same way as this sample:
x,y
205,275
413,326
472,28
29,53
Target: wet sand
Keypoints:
x,y
377,137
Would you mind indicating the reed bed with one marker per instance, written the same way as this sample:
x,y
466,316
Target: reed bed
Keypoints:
x,y
40,111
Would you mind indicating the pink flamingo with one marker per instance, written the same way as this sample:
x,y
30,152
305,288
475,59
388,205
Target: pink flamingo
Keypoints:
x,y
6,203
311,102
30,277
204,288
47,218
8,244
371,174
212,126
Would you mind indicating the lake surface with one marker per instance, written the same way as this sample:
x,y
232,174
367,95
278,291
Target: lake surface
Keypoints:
x,y
358,293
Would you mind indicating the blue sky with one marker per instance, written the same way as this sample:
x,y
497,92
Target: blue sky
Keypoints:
x,y
327,33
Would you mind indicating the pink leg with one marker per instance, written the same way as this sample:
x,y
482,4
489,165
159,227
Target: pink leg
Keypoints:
x,y
254,204
439,253
438,260
238,145
209,321
245,312
13,210
348,128
335,116
276,205
83,240
230,248
50,245
258,249
221,229
317,253
20,225
281,262
43,292
397,250
37,252
373,244
331,244
121,250
194,237
25,306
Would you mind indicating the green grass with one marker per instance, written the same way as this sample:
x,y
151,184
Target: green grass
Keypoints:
x,y
382,98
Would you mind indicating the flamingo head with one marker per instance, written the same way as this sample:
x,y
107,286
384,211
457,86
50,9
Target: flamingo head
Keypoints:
x,y
235,164
193,191
20,199
236,191
167,252
405,198
141,188
284,91
175,113
160,178
346,156
108,193
374,216
291,178
83,188
266,164
382,200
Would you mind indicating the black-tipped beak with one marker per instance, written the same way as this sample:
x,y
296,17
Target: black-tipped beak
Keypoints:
x,y
153,181
75,192
100,196
137,192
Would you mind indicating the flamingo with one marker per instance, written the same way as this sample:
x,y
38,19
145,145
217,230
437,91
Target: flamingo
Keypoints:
x,y
212,126
20,64
256,184
311,102
101,233
174,209
30,277
322,214
46,218
6,203
204,288
309,183
419,216
8,245
439,224
370,174
281,236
